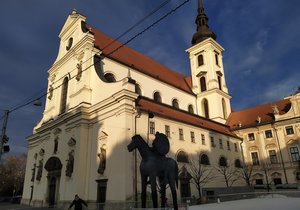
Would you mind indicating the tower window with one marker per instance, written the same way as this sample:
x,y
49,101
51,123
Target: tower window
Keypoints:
x,y
64,94
175,103
220,82
205,108
200,60
191,109
109,77
224,108
138,89
157,97
217,58
203,84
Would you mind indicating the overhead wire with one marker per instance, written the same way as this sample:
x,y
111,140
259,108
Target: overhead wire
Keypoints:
x,y
113,51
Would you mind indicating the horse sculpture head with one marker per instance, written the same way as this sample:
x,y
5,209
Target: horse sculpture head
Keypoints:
x,y
135,142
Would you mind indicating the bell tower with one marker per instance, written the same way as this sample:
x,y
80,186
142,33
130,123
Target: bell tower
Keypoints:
x,y
207,70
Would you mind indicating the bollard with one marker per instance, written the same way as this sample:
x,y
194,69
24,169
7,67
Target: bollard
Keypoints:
x,y
218,200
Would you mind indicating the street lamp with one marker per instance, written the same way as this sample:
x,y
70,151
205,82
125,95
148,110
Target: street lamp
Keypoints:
x,y
3,138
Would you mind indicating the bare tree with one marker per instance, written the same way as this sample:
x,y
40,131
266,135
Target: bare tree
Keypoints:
x,y
246,173
228,172
201,174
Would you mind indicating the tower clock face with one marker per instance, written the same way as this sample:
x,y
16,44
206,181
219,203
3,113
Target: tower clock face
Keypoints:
x,y
69,45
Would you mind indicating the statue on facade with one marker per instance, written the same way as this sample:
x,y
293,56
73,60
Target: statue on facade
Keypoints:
x,y
102,163
70,164
155,164
39,170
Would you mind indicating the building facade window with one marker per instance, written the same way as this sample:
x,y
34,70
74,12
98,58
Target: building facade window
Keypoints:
x,y
217,58
220,82
182,157
235,147
268,134
237,163
273,157
109,77
289,130
294,153
191,109
203,84
193,137
64,95
228,145
224,108
167,131
204,160
212,141
200,60
152,127
157,97
175,103
221,143
254,156
202,139
251,137
205,108
181,134
223,162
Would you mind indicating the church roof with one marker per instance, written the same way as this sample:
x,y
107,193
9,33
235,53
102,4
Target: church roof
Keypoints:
x,y
258,115
166,111
138,61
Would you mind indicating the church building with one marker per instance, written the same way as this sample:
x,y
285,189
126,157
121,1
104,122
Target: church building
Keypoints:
x,y
101,93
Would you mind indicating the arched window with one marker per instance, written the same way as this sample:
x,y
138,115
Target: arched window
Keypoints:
x,y
203,84
237,163
69,45
222,162
200,60
220,82
109,77
224,108
157,97
175,103
204,159
182,157
64,94
191,109
138,89
205,108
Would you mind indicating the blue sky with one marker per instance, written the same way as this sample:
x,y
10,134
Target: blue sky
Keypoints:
x,y
260,37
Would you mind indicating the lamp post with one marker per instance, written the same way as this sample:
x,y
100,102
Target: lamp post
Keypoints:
x,y
4,138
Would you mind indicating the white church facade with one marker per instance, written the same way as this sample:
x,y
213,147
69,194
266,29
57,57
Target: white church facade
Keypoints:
x,y
99,98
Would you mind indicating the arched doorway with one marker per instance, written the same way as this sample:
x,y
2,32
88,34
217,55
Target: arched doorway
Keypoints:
x,y
53,166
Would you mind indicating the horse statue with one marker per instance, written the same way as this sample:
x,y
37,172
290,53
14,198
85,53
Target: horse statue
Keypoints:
x,y
155,164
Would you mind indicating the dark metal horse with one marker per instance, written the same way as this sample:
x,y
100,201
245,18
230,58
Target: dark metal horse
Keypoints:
x,y
154,165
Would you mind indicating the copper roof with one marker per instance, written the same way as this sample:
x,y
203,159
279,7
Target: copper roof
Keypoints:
x,y
169,112
249,117
138,61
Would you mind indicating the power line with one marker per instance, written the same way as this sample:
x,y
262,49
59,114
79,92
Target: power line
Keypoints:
x,y
113,51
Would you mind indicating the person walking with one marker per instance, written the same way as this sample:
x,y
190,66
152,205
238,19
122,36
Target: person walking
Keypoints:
x,y
77,202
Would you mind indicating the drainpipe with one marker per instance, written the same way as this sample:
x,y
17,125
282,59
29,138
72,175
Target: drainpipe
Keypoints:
x,y
281,157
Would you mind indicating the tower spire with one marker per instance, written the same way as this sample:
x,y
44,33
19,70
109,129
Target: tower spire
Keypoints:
x,y
203,31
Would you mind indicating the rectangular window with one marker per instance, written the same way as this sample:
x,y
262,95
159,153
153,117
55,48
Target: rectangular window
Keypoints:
x,y
251,137
212,141
217,58
221,143
259,182
255,159
167,131
268,134
289,130
228,145
181,134
235,147
152,128
203,139
294,153
273,156
192,137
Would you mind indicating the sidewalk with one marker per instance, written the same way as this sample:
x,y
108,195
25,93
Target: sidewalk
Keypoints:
x,y
10,206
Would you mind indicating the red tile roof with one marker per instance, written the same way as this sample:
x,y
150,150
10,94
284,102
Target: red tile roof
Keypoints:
x,y
248,117
140,62
166,111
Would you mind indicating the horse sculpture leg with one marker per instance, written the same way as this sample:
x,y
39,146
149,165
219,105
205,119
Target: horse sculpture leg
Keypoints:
x,y
153,190
163,194
144,195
